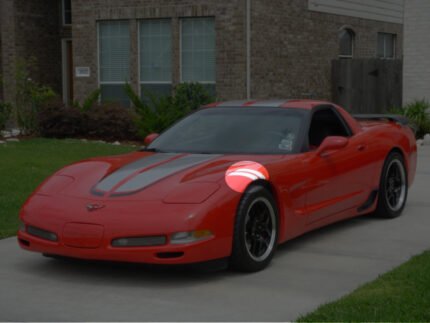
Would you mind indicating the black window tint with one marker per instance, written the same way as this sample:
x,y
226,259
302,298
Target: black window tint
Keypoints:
x,y
236,131
325,123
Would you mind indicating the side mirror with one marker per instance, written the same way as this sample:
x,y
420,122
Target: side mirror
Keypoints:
x,y
330,144
150,138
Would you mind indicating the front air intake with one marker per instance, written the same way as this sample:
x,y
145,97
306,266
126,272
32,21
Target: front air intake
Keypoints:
x,y
169,255
40,233
139,242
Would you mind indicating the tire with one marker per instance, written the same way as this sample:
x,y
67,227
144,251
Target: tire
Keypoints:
x,y
393,187
256,231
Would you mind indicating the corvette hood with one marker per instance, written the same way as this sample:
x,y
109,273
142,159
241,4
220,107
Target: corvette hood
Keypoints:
x,y
145,176
142,173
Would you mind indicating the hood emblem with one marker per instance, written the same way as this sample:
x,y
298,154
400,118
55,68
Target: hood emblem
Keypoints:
x,y
95,207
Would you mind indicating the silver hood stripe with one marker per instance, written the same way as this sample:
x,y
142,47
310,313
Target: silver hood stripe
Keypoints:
x,y
155,174
109,182
122,182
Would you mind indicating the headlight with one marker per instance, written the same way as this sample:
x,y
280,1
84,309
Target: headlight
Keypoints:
x,y
188,237
55,184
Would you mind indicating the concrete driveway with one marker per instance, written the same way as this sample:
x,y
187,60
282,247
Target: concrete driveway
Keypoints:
x,y
307,272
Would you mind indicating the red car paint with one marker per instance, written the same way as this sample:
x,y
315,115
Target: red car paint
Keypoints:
x,y
311,191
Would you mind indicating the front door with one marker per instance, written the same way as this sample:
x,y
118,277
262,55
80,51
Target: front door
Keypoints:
x,y
336,182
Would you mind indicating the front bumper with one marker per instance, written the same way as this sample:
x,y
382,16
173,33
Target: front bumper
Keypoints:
x,y
201,251
89,235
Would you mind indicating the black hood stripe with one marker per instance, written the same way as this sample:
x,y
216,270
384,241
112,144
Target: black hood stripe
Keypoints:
x,y
109,182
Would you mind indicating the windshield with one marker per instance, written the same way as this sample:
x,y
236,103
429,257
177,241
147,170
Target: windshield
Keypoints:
x,y
235,131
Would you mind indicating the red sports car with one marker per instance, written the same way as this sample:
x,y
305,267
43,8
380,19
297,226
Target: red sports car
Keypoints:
x,y
230,181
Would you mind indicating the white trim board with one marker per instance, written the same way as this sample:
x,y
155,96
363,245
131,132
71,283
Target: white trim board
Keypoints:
x,y
386,11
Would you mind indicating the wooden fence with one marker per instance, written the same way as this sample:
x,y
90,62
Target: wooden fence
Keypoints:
x,y
367,85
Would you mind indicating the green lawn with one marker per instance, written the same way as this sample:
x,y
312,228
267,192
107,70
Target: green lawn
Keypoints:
x,y
25,164
400,295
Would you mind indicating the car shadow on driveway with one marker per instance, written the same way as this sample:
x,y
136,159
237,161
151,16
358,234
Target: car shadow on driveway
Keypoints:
x,y
122,274
326,231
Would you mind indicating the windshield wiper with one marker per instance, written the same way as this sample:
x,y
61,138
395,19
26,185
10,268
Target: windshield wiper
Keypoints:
x,y
156,150
203,153
152,150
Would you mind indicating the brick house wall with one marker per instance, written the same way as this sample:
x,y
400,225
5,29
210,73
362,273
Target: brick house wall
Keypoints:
x,y
31,29
7,32
230,30
292,47
416,68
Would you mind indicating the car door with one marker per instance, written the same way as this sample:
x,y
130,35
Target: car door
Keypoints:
x,y
336,181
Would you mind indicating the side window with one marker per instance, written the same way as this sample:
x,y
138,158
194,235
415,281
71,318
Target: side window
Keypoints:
x,y
346,43
386,46
325,123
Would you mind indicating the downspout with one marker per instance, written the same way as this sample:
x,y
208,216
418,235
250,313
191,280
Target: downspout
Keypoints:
x,y
248,49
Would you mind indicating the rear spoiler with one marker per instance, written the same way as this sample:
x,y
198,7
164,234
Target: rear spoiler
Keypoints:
x,y
404,121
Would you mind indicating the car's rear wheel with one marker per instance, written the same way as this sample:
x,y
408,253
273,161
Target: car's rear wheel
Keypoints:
x,y
393,188
256,230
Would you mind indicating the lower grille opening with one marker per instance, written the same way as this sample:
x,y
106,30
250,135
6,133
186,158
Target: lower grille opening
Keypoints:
x,y
24,242
139,241
169,255
40,233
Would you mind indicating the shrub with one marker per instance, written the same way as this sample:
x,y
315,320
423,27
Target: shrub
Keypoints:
x,y
90,101
5,111
29,96
55,120
102,121
157,113
110,121
191,96
418,114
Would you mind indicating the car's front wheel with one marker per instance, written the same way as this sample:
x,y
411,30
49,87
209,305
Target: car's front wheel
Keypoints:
x,y
393,188
256,230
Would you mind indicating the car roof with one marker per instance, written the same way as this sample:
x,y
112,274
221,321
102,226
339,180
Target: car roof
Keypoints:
x,y
278,103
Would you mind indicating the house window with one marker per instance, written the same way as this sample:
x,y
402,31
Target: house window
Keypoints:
x,y
346,43
155,47
386,45
67,12
198,51
114,60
